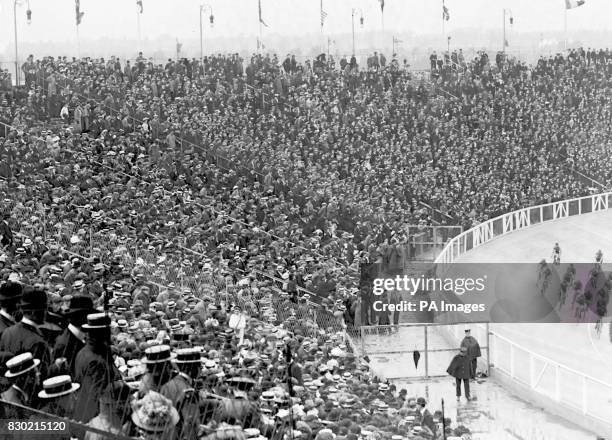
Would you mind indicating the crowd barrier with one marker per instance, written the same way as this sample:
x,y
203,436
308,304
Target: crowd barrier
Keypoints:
x,y
433,342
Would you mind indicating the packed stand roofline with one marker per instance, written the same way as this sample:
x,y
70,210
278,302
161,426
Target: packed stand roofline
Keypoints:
x,y
357,113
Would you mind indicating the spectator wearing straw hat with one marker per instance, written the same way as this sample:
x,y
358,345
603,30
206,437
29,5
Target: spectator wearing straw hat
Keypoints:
x,y
94,365
159,369
188,362
10,294
25,336
154,417
58,397
22,372
72,340
181,390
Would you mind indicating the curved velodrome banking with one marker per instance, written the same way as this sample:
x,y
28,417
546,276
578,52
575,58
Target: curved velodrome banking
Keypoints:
x,y
581,226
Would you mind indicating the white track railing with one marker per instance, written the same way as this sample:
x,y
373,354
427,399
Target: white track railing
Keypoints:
x,y
567,387
521,219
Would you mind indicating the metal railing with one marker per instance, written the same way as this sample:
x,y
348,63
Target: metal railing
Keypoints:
x,y
521,219
435,343
565,386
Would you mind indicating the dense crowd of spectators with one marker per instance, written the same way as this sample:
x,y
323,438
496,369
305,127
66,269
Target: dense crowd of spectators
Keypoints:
x,y
226,206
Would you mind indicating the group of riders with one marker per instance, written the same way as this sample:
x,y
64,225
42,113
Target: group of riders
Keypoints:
x,y
594,293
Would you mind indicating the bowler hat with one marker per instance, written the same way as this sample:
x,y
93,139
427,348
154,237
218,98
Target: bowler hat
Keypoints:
x,y
10,290
33,300
80,304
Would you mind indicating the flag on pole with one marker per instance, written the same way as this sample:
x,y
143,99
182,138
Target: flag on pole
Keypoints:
x,y
571,4
139,3
78,13
382,5
323,14
445,13
261,19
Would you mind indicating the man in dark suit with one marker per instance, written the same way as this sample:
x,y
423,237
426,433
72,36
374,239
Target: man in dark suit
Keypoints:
x,y
22,372
6,235
10,294
427,420
181,390
70,342
159,369
25,336
94,366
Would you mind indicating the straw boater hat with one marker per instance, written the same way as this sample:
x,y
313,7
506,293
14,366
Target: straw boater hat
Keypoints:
x,y
97,321
21,364
58,386
157,354
188,355
154,413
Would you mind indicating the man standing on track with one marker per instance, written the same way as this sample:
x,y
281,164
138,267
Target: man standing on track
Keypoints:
x,y
473,351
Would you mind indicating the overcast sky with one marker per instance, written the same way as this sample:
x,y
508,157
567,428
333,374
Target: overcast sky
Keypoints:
x,y
54,20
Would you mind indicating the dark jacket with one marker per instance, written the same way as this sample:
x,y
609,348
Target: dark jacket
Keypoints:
x,y
473,348
67,346
428,422
6,235
5,323
21,338
460,367
94,370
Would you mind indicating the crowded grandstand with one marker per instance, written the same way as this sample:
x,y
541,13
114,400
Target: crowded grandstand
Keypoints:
x,y
183,243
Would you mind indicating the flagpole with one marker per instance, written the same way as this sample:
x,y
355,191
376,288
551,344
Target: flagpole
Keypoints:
x,y
139,33
321,18
565,32
260,40
78,43
443,19
504,27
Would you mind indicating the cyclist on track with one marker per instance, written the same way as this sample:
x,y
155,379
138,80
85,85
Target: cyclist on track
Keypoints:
x,y
556,254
